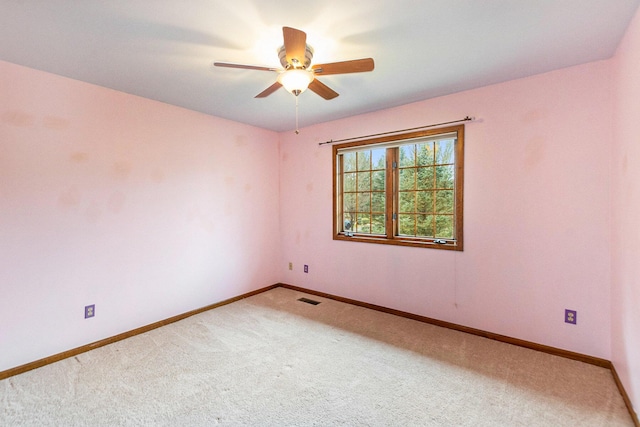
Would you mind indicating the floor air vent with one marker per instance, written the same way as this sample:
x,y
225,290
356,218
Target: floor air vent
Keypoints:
x,y
309,301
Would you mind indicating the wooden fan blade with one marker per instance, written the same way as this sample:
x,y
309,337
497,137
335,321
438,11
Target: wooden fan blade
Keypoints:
x,y
322,89
295,46
268,91
242,66
353,66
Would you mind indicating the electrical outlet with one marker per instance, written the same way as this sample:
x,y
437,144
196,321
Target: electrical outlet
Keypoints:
x,y
89,311
571,316
290,266
306,268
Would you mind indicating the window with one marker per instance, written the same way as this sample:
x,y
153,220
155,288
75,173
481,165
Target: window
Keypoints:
x,y
402,190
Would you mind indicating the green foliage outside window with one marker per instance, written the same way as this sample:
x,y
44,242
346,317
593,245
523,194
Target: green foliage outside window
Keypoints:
x,y
426,190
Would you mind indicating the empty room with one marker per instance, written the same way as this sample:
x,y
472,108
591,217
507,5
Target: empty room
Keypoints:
x,y
320,213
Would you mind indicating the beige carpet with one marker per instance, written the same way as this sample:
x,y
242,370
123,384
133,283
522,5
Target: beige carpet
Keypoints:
x,y
271,360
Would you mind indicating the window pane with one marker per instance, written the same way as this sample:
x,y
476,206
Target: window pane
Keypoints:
x,y
364,181
349,161
444,176
363,224
425,178
349,220
349,182
444,226
425,154
378,178
407,202
377,224
364,189
377,202
407,155
364,160
424,201
444,151
406,224
407,179
444,201
364,202
349,202
378,159
425,225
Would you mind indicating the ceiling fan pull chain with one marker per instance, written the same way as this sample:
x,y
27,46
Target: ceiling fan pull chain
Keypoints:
x,y
297,131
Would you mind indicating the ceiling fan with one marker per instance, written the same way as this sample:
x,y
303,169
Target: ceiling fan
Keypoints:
x,y
297,73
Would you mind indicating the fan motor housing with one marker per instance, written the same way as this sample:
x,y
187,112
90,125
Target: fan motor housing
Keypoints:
x,y
308,56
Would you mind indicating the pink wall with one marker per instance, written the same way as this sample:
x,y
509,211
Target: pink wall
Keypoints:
x,y
144,209
536,221
626,213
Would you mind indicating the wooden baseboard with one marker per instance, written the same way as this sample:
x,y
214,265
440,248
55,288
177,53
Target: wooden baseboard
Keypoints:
x,y
625,396
502,338
74,352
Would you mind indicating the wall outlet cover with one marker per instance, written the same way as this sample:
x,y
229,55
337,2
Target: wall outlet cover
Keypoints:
x,y
306,268
89,311
571,316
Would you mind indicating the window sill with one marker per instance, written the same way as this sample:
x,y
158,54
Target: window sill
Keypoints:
x,y
450,245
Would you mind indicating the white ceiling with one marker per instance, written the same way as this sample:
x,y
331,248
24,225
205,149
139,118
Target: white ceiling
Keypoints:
x,y
164,49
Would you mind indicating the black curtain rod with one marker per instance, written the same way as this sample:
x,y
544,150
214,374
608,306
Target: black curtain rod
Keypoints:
x,y
466,119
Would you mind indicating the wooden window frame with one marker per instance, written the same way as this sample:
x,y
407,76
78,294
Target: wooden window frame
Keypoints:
x,y
392,189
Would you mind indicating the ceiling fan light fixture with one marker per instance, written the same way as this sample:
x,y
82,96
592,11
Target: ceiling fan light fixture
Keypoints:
x,y
296,80
297,74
